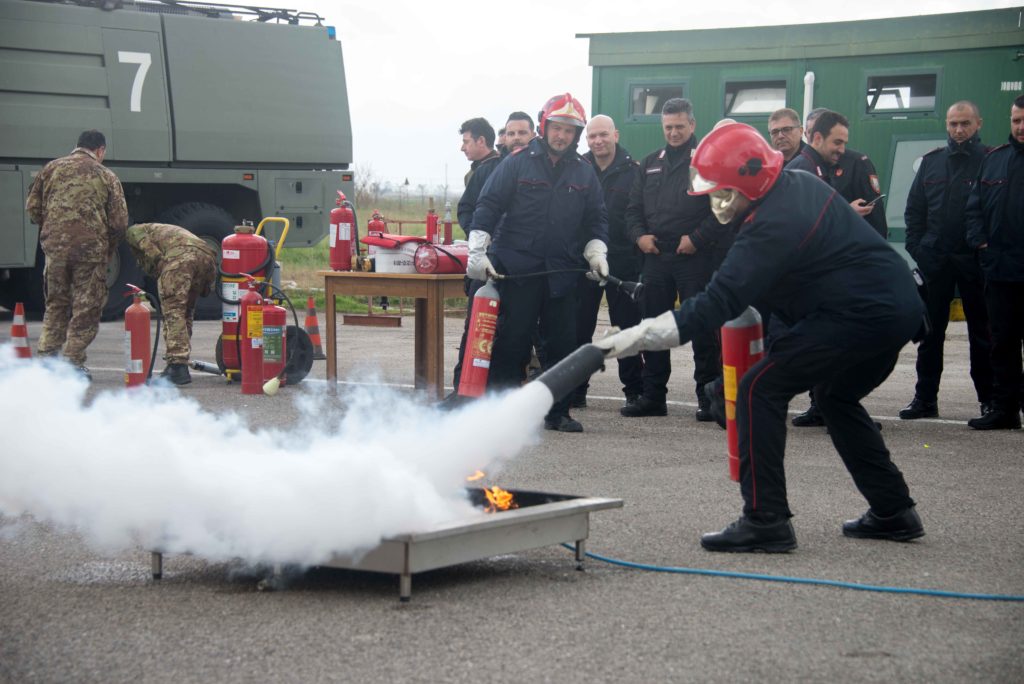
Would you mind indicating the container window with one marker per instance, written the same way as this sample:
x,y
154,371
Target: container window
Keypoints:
x,y
903,93
647,100
754,97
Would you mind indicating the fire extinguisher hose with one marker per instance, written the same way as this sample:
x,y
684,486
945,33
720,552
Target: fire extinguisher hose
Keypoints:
x,y
156,338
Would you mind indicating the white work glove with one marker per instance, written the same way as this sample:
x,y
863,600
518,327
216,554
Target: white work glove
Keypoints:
x,y
596,254
651,334
478,266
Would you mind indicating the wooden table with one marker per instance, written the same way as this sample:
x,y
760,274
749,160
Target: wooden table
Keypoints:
x,y
429,291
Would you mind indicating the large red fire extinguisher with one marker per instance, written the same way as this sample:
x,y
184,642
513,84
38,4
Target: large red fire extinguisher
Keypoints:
x,y
483,324
137,347
275,346
251,314
243,254
343,221
438,259
742,347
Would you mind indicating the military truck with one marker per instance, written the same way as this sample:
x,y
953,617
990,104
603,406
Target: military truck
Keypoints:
x,y
213,114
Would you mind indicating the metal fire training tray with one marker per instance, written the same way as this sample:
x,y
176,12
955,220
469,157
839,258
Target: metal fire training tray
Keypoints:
x,y
542,519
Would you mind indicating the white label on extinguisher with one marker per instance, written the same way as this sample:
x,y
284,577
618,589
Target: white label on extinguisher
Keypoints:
x,y
756,346
344,231
130,365
334,235
481,363
232,254
230,313
257,342
229,291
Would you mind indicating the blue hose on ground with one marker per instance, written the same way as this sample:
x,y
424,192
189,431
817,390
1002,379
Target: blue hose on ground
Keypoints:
x,y
802,580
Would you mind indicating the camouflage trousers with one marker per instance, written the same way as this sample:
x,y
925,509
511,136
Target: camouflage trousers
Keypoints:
x,y
75,294
181,284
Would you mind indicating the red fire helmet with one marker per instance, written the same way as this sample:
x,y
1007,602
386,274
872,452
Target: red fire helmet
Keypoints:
x,y
562,109
734,156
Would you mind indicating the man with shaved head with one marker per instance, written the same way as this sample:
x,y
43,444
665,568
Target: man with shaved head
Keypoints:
x,y
615,169
936,238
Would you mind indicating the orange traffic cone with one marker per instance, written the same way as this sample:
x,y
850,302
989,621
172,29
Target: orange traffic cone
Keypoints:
x,y
19,333
313,330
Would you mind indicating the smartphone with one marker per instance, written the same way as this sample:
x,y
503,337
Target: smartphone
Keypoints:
x,y
872,202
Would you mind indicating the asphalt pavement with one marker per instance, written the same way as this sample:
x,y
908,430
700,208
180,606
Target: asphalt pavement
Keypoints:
x,y
71,613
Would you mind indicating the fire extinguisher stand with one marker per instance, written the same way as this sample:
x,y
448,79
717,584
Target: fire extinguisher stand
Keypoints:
x,y
742,347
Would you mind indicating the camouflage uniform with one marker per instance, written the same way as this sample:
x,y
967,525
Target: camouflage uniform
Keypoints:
x,y
79,207
185,268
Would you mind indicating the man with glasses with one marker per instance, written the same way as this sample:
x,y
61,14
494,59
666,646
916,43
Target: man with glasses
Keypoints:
x,y
786,134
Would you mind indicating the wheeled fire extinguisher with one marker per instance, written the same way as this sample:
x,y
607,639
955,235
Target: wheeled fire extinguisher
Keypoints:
x,y
251,331
137,348
483,324
343,221
742,347
243,254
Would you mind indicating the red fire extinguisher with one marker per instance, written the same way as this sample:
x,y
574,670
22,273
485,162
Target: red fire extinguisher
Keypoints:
x,y
275,322
137,347
242,254
342,222
251,338
431,224
439,259
742,347
483,323
376,224
447,223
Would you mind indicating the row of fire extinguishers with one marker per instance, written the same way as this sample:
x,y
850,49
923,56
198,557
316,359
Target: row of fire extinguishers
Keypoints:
x,y
254,340
435,253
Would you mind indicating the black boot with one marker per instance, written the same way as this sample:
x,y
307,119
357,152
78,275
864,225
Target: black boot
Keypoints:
x,y
902,526
919,408
715,394
177,373
746,535
563,424
997,419
644,407
810,418
703,414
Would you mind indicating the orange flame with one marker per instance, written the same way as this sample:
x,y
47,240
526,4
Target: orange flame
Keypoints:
x,y
478,475
500,499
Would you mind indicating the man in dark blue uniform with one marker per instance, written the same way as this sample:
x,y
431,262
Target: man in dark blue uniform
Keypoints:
x,y
543,219
995,228
615,169
936,238
850,304
677,235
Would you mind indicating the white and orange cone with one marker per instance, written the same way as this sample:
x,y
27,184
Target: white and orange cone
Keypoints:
x,y
19,333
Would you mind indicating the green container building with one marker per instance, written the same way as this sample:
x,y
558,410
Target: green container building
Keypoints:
x,y
893,78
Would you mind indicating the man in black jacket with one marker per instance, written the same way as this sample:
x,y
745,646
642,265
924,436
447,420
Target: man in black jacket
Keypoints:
x,y
677,234
995,227
936,238
851,305
615,169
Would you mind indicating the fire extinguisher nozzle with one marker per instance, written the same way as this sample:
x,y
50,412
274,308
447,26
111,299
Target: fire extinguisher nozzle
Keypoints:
x,y
573,370
271,386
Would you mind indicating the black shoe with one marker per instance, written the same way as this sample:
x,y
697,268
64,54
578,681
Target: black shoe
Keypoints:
x,y
644,407
578,401
987,406
631,399
714,392
563,424
84,372
177,373
810,418
703,414
746,535
919,408
453,402
902,526
996,419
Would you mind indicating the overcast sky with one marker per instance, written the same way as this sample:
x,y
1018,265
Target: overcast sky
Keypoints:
x,y
416,69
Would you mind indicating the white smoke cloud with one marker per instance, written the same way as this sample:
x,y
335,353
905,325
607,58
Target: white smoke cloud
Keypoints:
x,y
148,467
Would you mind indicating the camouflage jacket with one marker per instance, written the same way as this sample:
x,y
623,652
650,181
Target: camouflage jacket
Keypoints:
x,y
79,207
157,246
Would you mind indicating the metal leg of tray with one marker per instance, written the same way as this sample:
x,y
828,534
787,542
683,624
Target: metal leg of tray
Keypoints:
x,y
405,587
157,561
581,553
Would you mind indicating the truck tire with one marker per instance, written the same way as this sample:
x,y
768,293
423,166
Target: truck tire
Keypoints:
x,y
212,224
120,270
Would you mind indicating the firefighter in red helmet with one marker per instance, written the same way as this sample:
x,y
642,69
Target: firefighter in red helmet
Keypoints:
x,y
850,303
540,218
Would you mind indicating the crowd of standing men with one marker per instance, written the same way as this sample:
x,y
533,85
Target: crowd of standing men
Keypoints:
x,y
659,233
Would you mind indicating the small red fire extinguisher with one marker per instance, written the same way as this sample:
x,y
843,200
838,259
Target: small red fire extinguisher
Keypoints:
x,y
447,223
376,224
483,324
431,224
342,223
251,331
742,347
137,348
